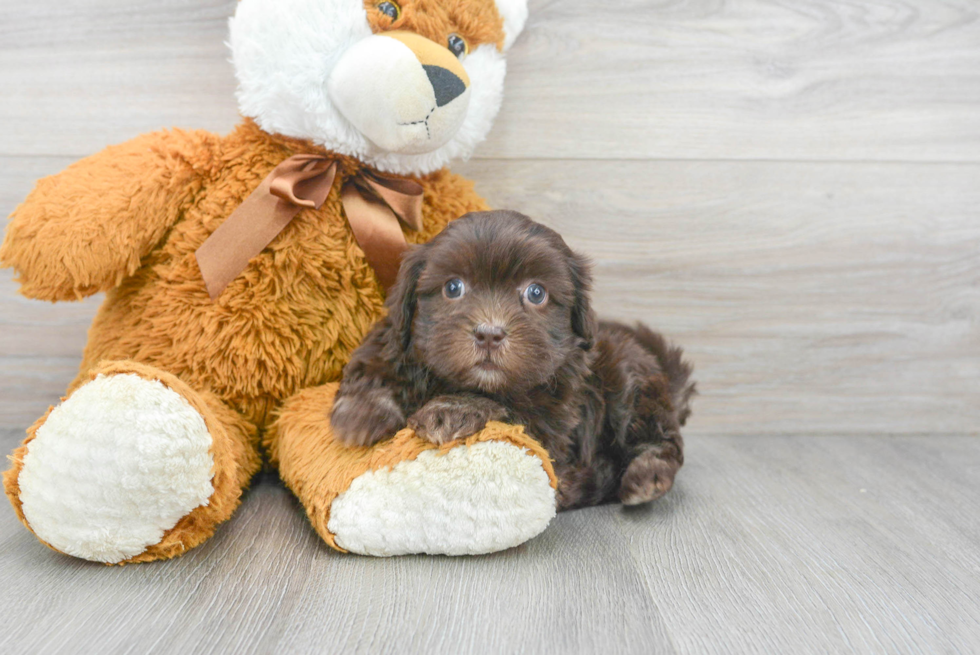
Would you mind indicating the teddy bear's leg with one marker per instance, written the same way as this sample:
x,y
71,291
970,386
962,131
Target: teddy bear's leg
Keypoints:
x,y
132,466
405,495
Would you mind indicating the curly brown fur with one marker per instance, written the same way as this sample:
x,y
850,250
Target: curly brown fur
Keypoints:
x,y
606,400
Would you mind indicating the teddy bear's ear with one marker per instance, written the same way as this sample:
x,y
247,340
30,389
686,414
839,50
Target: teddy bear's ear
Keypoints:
x,y
514,13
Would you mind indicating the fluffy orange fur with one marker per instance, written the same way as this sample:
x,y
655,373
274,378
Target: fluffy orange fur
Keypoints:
x,y
477,21
128,221
317,468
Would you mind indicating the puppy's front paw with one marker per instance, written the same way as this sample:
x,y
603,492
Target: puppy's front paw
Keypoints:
x,y
445,418
364,419
647,478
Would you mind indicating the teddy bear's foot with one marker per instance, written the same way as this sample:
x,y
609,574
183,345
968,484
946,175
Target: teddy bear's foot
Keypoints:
x,y
471,499
114,467
405,495
122,470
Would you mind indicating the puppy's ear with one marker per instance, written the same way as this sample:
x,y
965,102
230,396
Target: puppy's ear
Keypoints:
x,y
583,318
402,298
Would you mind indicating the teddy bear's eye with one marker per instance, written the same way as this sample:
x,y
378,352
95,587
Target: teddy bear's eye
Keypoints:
x,y
457,45
390,9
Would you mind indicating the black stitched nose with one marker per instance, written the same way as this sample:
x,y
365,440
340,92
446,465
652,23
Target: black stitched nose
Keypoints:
x,y
445,83
489,337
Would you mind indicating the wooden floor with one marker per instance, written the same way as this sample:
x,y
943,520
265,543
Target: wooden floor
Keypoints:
x,y
767,544
790,190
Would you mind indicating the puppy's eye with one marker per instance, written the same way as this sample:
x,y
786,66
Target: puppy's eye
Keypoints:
x,y
535,294
454,289
457,45
390,9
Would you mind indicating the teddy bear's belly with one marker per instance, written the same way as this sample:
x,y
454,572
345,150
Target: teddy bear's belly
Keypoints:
x,y
289,321
285,324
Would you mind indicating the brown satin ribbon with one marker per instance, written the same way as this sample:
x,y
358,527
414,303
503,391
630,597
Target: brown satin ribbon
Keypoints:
x,y
374,204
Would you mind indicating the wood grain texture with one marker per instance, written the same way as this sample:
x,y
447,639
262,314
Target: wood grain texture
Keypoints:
x,y
755,79
812,298
802,545
758,79
80,76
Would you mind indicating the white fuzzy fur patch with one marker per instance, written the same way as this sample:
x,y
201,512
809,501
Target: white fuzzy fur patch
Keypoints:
x,y
514,13
284,52
468,501
114,467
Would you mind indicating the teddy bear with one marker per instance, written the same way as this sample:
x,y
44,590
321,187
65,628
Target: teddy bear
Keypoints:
x,y
240,271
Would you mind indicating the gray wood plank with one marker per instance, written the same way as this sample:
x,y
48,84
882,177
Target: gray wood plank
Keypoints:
x,y
818,545
812,298
767,544
899,80
79,76
756,79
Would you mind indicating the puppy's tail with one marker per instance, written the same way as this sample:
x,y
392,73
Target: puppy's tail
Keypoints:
x,y
672,362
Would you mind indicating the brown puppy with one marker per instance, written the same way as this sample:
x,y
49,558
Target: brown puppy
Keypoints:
x,y
491,321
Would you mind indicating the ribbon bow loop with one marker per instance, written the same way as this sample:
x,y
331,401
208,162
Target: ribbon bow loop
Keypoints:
x,y
375,206
303,180
403,197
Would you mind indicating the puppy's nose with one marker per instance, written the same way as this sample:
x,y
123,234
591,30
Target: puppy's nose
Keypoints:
x,y
489,337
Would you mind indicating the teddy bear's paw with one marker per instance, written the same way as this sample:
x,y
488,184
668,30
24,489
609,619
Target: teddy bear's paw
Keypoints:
x,y
469,500
114,467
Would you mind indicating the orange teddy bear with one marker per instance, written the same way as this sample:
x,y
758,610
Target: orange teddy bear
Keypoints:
x,y
241,271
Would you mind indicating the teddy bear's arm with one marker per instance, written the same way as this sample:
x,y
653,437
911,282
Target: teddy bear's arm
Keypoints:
x,y
87,228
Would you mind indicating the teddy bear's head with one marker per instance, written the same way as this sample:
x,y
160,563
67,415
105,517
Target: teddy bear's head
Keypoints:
x,y
403,85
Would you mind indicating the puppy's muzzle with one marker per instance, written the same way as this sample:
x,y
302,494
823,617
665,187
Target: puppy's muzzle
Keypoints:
x,y
403,92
